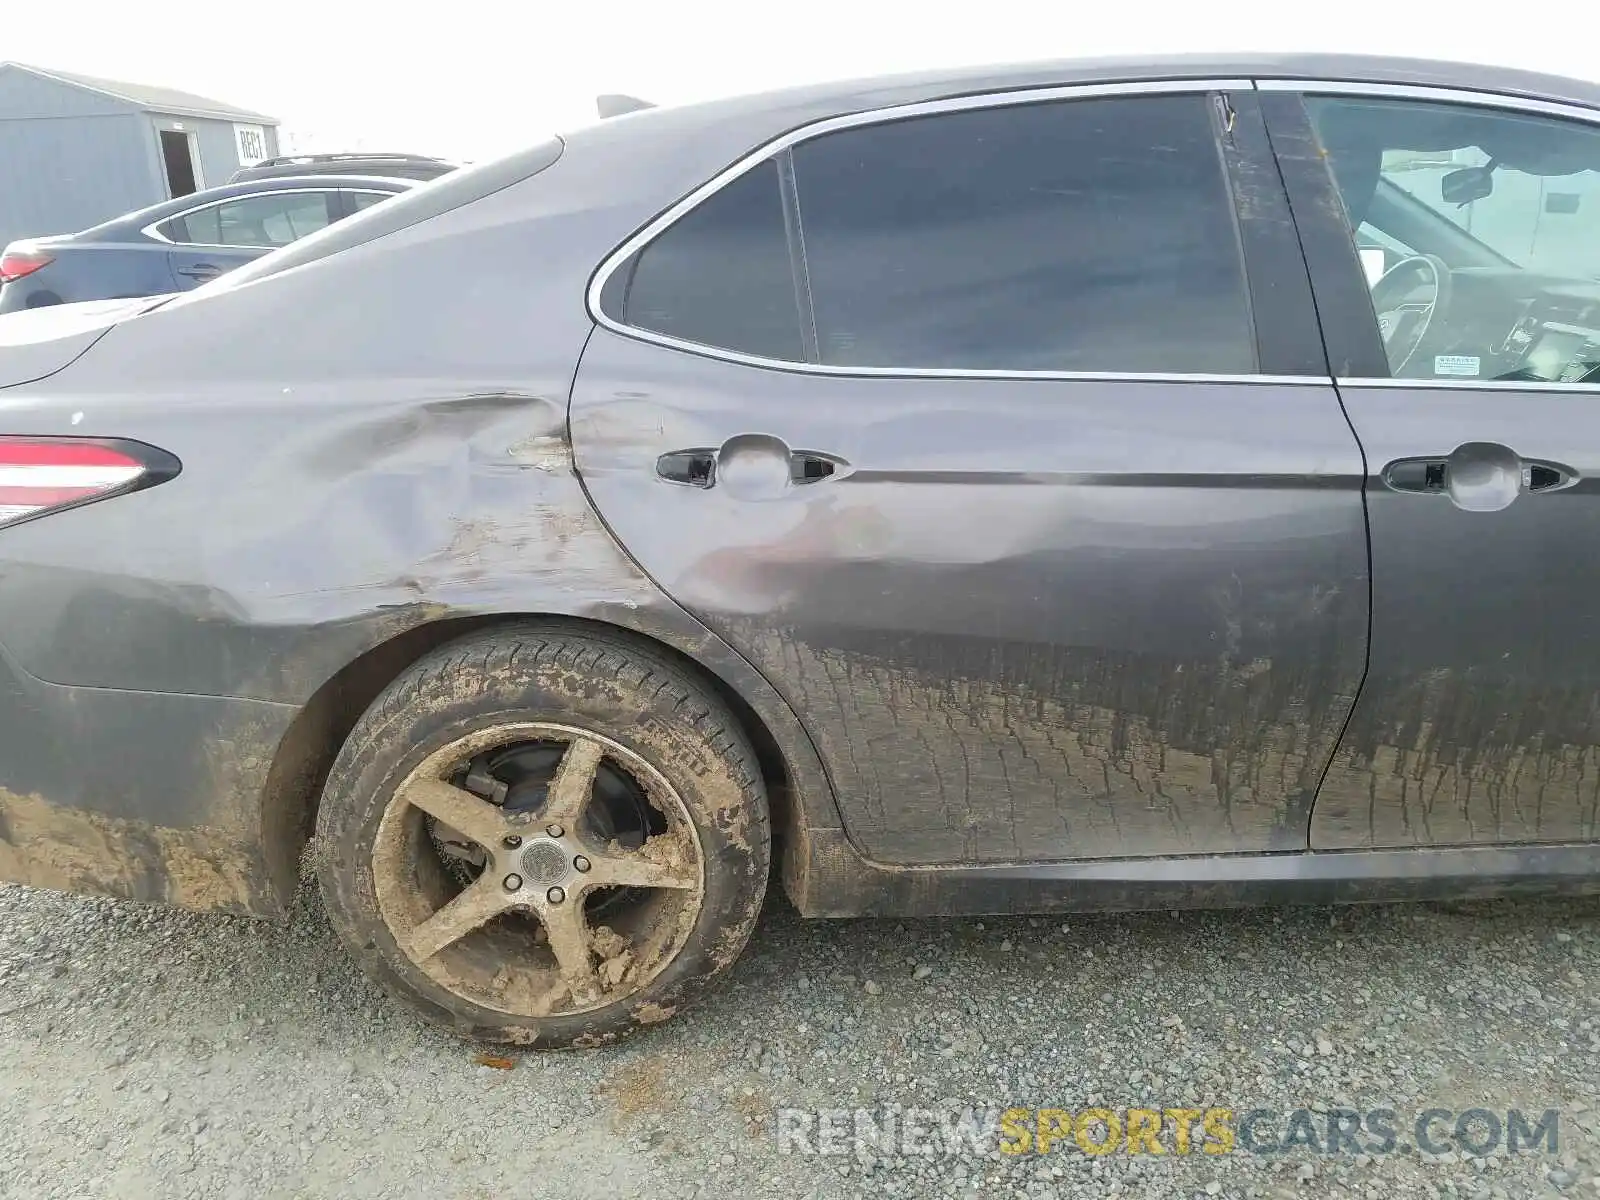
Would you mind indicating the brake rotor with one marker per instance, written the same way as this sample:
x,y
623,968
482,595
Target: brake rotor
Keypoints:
x,y
518,778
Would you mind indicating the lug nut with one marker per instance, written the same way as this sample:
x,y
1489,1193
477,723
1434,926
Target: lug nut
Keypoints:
x,y
511,841
555,895
513,882
554,830
580,863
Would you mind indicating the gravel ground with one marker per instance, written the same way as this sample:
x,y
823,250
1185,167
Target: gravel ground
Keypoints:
x,y
147,1052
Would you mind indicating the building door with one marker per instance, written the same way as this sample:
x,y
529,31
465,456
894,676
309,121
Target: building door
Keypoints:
x,y
178,161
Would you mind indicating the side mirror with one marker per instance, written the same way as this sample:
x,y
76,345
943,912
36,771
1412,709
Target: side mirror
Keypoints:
x,y
1376,258
1374,262
1467,184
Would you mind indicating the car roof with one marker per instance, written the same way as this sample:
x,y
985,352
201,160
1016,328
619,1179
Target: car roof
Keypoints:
x,y
651,158
336,155
247,187
410,166
668,151
876,91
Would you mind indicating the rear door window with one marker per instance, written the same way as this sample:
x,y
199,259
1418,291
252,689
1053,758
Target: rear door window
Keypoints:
x,y
271,219
361,200
1080,235
1093,235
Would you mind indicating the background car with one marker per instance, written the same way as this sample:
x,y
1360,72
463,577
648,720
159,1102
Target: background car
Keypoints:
x,y
396,166
180,244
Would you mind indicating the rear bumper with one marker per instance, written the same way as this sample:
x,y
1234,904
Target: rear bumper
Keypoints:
x,y
143,795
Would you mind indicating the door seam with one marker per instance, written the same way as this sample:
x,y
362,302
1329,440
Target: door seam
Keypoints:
x,y
1366,514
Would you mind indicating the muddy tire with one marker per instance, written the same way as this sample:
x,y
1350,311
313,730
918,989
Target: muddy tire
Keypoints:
x,y
544,836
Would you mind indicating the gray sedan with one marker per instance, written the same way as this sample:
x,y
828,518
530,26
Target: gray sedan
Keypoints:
x,y
1066,486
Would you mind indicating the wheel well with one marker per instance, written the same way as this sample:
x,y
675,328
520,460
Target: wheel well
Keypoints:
x,y
308,750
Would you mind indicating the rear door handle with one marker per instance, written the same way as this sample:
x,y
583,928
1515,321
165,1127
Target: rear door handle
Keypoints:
x,y
806,466
201,271
697,468
1425,475
1478,476
757,466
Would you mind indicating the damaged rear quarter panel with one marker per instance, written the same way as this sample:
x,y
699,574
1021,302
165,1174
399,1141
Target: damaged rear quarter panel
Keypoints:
x,y
363,449
362,454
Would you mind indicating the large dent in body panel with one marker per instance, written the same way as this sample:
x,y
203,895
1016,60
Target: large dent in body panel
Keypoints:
x,y
465,502
400,457
1062,684
459,506
262,575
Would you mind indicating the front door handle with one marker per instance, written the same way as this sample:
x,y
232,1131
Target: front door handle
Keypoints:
x,y
1478,476
751,466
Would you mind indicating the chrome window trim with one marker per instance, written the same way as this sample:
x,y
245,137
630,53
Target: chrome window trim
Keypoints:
x,y
357,191
879,116
1441,95
1476,385
1445,95
155,234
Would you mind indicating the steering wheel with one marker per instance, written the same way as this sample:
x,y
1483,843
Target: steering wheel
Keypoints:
x,y
1408,299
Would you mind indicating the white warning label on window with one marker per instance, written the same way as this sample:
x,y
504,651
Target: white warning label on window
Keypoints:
x,y
1456,364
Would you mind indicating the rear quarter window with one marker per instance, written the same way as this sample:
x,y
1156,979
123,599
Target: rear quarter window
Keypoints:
x,y
721,275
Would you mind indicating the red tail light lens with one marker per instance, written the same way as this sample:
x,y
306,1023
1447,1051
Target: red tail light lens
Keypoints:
x,y
14,264
45,475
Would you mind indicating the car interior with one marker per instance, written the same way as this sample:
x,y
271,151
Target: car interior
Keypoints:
x,y
1467,210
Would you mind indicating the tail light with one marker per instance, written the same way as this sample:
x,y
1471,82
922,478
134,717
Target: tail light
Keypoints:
x,y
15,263
46,475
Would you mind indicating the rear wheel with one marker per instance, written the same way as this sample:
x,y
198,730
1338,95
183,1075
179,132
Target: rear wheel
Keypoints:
x,y
545,837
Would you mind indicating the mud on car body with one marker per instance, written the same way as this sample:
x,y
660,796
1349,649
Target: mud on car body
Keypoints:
x,y
759,513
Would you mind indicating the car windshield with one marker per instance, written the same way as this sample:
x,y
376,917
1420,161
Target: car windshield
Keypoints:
x,y
1513,219
1474,186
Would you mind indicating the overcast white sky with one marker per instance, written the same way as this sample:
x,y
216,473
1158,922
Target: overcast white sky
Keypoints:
x,y
470,79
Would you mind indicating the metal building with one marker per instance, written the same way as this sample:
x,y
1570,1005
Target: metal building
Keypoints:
x,y
76,150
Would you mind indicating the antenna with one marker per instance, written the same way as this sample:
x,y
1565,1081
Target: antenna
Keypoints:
x,y
615,104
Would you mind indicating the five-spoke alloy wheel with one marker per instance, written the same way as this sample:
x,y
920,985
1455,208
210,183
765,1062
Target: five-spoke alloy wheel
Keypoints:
x,y
544,836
